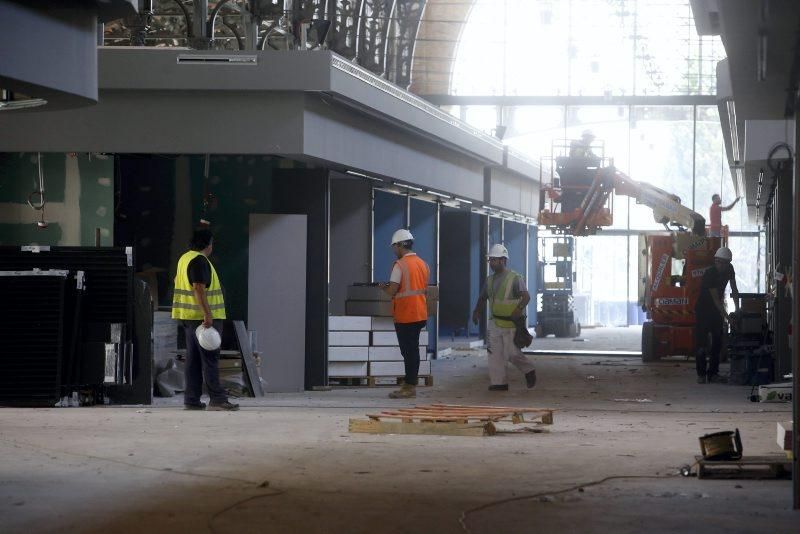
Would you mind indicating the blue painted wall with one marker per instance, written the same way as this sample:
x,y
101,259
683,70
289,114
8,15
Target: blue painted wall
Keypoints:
x,y
423,228
515,241
478,275
390,215
495,231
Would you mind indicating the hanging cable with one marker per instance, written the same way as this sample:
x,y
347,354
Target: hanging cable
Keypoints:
x,y
208,197
39,206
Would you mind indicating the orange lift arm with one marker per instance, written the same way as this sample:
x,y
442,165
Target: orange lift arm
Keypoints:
x,y
667,208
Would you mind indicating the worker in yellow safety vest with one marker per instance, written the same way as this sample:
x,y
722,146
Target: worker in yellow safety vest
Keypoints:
x,y
407,286
198,300
508,297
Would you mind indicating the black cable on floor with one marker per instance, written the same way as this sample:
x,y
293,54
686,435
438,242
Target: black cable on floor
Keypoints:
x,y
466,513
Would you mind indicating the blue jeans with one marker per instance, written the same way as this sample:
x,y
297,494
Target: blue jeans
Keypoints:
x,y
201,366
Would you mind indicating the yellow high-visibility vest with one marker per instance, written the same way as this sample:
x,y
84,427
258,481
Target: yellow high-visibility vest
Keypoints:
x,y
501,303
184,305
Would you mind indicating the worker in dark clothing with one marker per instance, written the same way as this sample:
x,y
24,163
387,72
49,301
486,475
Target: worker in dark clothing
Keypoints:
x,y
710,315
198,300
582,148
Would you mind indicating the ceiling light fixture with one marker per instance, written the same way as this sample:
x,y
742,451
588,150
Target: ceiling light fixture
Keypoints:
x,y
362,175
463,200
441,195
412,187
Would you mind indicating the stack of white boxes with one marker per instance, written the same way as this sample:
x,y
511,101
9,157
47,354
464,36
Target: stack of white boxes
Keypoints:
x,y
360,346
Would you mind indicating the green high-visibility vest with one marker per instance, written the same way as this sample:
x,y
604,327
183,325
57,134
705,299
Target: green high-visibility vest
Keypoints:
x,y
184,305
501,303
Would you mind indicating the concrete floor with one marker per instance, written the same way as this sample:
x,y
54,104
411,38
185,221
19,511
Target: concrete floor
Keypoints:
x,y
288,464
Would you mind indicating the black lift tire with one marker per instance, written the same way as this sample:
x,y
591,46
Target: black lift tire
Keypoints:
x,y
649,342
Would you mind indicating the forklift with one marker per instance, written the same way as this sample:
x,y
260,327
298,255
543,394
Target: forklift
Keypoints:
x,y
555,311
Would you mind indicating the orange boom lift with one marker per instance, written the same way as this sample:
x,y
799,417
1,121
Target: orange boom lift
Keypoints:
x,y
672,263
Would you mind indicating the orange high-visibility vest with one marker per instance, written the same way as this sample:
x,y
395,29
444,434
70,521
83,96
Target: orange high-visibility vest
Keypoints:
x,y
409,304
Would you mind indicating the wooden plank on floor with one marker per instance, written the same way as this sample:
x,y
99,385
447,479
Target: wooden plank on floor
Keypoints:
x,y
751,467
371,426
503,408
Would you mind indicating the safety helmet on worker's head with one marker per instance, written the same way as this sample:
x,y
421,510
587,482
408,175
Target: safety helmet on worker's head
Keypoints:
x,y
723,253
587,133
498,251
401,235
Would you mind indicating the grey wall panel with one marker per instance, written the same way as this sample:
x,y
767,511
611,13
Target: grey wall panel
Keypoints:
x,y
401,106
350,237
49,51
521,164
161,122
357,141
149,68
277,304
513,192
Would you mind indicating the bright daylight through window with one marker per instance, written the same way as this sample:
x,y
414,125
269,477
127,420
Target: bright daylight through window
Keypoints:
x,y
552,64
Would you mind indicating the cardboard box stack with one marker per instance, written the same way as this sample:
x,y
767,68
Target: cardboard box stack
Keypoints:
x,y
366,346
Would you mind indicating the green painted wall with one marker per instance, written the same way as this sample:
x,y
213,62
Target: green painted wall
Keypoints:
x,y
240,185
79,190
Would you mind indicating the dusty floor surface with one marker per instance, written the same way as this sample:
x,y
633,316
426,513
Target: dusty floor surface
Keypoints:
x,y
288,464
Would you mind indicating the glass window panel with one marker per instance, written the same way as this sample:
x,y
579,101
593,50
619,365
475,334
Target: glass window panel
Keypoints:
x,y
584,47
661,155
748,260
602,279
481,117
713,175
477,70
600,49
532,129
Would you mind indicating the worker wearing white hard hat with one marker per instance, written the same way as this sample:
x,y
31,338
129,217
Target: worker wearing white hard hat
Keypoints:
x,y
508,297
198,303
407,286
710,314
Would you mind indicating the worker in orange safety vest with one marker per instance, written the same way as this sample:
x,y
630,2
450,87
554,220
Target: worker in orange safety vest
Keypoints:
x,y
407,286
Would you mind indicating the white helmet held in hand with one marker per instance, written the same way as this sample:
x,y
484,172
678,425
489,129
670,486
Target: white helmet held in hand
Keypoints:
x,y
498,251
724,253
401,235
208,338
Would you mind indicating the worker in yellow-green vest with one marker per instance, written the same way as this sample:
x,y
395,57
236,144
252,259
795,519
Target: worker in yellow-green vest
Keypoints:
x,y
508,296
198,300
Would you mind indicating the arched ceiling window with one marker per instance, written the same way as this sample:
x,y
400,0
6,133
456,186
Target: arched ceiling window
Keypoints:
x,y
584,48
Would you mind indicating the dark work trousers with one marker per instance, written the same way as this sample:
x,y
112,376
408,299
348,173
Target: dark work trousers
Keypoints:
x,y
201,366
708,322
408,339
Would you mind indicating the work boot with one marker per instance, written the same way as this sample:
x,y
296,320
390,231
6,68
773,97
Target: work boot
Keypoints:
x,y
716,379
498,387
223,407
195,406
701,379
406,391
530,378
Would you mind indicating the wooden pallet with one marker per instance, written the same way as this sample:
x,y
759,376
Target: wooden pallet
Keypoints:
x,y
747,467
448,419
375,381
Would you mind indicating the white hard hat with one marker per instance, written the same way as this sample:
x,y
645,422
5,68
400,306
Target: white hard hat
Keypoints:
x,y
587,133
498,251
401,235
724,253
208,338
